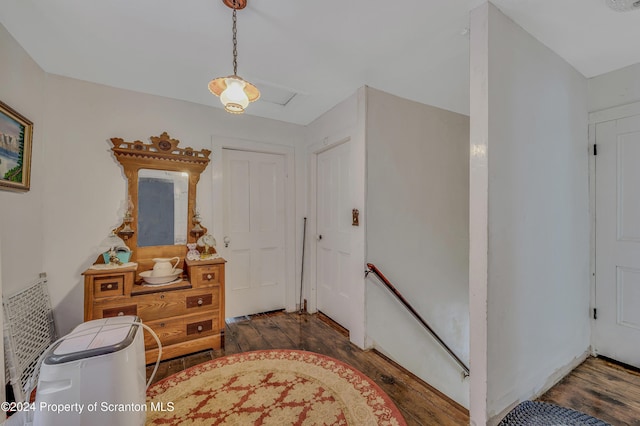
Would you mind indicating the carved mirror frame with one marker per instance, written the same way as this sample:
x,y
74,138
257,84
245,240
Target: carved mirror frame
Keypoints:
x,y
162,153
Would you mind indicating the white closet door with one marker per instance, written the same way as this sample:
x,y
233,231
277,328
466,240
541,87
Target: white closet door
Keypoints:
x,y
617,327
334,262
254,223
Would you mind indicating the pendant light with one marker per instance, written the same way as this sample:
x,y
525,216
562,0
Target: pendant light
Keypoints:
x,y
234,92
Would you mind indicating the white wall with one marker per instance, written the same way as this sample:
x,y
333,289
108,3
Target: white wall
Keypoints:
x,y
22,83
478,213
22,88
537,289
614,88
418,235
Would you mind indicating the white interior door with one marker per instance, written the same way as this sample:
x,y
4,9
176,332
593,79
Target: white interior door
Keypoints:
x,y
254,219
617,327
334,233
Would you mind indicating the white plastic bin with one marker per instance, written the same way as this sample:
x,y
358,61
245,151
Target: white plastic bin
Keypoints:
x,y
95,376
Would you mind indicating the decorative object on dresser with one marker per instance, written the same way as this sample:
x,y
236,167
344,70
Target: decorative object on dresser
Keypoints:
x,y
180,297
197,230
208,243
115,251
193,253
126,230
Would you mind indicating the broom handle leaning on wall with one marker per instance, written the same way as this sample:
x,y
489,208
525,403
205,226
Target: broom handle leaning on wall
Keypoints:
x,y
304,237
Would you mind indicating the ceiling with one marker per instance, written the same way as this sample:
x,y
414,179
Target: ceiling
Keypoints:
x,y
319,52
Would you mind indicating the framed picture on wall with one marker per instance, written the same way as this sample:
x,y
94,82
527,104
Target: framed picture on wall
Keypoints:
x,y
16,133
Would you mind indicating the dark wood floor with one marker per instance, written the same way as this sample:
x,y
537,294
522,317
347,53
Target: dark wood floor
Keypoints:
x,y
602,389
597,387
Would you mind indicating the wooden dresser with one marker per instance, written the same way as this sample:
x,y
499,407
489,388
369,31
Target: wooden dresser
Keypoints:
x,y
187,316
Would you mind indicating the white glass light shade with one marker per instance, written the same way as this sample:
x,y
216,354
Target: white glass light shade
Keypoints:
x,y
234,98
234,92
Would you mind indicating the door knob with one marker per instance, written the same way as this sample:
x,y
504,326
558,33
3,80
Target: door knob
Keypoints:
x,y
226,240
319,237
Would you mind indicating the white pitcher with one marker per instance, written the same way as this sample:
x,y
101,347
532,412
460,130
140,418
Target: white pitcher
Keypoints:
x,y
164,266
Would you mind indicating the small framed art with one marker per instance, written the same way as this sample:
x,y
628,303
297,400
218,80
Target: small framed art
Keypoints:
x,y
16,133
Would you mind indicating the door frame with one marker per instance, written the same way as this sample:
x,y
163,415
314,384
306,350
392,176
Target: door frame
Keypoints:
x,y
357,334
596,117
218,144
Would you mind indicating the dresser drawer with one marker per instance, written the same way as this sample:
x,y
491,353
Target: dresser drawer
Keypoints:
x,y
108,286
162,305
174,330
102,309
205,275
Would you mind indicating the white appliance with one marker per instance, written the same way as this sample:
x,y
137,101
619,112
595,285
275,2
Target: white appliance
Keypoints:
x,y
94,376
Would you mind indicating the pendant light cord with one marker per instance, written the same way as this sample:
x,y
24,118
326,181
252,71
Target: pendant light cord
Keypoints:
x,y
235,44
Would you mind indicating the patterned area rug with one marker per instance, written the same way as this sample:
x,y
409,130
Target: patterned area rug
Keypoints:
x,y
276,387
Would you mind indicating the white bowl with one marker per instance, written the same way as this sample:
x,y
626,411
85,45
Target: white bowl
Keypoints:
x,y
153,279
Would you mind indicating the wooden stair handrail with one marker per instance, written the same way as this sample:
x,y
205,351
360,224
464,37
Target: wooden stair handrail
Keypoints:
x,y
387,283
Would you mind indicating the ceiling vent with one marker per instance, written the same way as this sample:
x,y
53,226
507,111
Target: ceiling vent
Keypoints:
x,y
623,5
275,95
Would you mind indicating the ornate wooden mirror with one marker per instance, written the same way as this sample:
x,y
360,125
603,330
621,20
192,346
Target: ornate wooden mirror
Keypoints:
x,y
162,180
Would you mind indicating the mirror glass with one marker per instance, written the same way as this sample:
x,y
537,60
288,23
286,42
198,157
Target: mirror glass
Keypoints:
x,y
162,207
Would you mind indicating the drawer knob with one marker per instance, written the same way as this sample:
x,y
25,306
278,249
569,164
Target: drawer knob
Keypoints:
x,y
209,276
199,328
161,324
109,286
162,296
120,314
200,301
